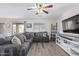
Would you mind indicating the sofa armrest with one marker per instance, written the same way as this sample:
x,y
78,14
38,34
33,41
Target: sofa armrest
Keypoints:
x,y
24,49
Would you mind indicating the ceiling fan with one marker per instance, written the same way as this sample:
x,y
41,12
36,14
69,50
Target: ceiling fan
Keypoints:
x,y
40,7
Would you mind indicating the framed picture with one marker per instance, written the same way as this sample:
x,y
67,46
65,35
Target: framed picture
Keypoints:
x,y
29,25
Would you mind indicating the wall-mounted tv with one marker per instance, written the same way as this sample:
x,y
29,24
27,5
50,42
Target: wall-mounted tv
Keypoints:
x,y
71,24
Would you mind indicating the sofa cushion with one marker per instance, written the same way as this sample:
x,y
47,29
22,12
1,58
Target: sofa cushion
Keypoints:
x,y
16,40
4,41
25,39
26,44
9,38
9,50
24,49
21,37
27,34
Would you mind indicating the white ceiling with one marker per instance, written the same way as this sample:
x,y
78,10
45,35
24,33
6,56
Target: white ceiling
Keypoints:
x,y
19,10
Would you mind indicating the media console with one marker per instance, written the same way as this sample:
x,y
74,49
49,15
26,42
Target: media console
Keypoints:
x,y
69,43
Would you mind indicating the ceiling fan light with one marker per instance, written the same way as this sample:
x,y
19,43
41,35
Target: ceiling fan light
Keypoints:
x,y
40,8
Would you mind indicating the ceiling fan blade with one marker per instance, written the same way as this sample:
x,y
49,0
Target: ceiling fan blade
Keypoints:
x,y
45,11
40,5
48,6
29,9
37,5
36,13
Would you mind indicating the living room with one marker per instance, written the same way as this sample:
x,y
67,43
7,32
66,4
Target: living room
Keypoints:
x,y
39,29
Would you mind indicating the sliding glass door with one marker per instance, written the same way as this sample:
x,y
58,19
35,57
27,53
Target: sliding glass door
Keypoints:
x,y
17,28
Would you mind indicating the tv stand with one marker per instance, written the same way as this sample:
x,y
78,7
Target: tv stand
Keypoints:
x,y
68,43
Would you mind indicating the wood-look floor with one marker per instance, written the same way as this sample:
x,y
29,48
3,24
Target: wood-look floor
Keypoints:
x,y
46,49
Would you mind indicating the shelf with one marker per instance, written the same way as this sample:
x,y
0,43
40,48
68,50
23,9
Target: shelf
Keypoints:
x,y
77,43
75,49
64,49
74,53
74,42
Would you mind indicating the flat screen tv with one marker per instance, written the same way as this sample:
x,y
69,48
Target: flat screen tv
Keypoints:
x,y
71,25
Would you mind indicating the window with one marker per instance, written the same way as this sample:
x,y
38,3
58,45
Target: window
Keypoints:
x,y
39,27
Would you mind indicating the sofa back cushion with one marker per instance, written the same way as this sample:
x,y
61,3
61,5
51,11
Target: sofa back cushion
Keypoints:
x,y
27,34
9,37
4,41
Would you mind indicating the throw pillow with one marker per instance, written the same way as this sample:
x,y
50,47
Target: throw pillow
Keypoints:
x,y
16,40
44,34
21,37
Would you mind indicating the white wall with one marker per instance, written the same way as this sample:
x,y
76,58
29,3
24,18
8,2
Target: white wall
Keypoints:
x,y
46,22
7,29
8,25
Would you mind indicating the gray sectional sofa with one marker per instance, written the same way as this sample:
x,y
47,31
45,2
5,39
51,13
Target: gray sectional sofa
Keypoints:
x,y
9,49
